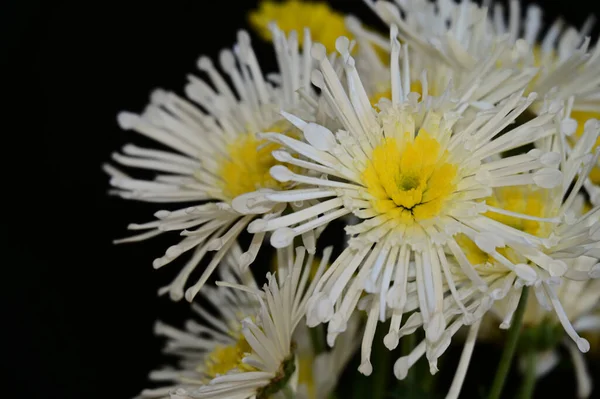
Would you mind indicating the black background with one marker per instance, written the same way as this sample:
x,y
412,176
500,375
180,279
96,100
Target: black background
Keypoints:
x,y
78,311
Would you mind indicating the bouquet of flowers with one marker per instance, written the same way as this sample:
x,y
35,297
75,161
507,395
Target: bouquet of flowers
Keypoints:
x,y
452,159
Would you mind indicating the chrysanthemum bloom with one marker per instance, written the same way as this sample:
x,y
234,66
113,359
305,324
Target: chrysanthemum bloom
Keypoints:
x,y
460,36
565,237
415,183
246,351
214,157
325,24
561,306
543,230
495,87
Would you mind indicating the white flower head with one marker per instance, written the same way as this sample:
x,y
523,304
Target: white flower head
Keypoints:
x,y
461,35
426,68
218,335
415,182
247,350
570,244
558,243
215,160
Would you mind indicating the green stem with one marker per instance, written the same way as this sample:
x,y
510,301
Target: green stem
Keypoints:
x,y
317,337
528,384
509,347
360,386
381,359
288,392
408,344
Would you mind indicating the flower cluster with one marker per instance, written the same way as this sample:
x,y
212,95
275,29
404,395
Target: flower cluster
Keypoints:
x,y
457,149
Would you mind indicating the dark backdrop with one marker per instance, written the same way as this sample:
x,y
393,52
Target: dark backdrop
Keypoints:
x,y
77,311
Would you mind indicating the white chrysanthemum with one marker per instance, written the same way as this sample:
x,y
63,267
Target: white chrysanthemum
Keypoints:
x,y
552,237
214,155
568,245
573,304
415,183
462,35
217,337
246,351
494,84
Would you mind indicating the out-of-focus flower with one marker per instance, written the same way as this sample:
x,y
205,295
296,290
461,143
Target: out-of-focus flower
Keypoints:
x,y
215,159
494,84
246,350
325,24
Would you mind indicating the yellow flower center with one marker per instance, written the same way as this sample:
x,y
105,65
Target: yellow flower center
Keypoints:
x,y
484,263
325,24
475,255
526,200
409,180
246,168
581,117
225,358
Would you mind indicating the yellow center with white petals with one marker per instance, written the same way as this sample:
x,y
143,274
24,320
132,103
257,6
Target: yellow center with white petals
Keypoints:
x,y
526,200
409,180
246,167
523,199
225,358
325,24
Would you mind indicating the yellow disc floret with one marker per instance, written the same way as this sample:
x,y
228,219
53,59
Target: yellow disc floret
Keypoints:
x,y
483,262
325,24
225,358
522,199
526,200
246,167
409,179
475,255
